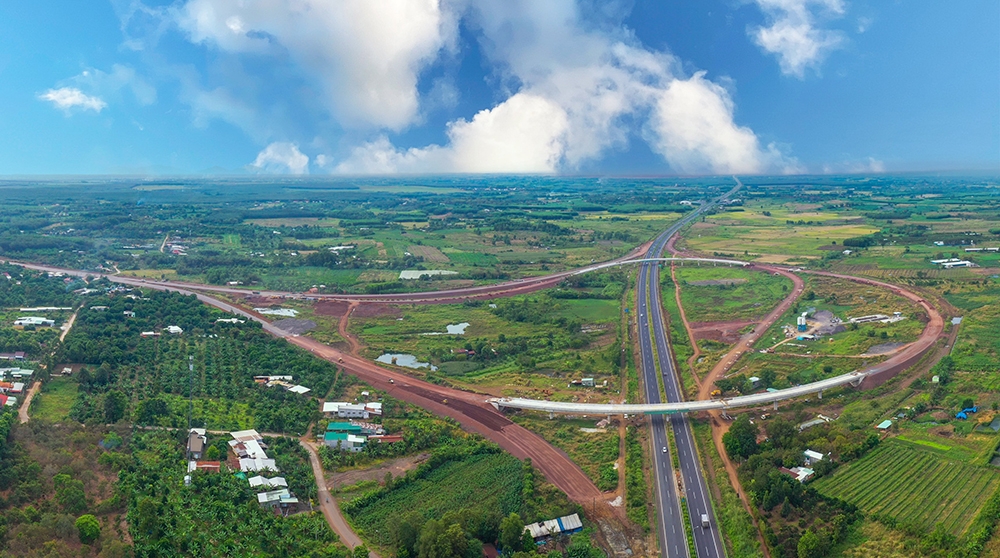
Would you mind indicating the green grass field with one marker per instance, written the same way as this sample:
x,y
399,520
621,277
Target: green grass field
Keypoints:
x,y
914,485
55,400
740,294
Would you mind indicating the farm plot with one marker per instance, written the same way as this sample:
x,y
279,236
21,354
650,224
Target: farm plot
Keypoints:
x,y
475,485
428,253
915,486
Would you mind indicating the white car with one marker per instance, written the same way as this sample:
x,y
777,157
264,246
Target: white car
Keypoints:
x,y
664,450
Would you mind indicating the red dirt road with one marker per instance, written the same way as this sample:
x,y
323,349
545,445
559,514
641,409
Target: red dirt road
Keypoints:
x,y
474,414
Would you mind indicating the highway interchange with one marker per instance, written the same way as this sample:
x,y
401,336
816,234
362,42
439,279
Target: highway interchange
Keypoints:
x,y
655,357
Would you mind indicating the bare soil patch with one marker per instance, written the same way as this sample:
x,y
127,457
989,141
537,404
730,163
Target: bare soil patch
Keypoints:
x,y
295,326
724,332
376,311
330,308
884,348
398,467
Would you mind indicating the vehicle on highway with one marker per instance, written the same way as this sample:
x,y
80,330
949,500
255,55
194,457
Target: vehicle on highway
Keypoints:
x,y
704,521
664,450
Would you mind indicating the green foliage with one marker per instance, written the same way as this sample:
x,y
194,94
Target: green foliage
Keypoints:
x,y
635,480
480,481
217,515
70,494
114,406
741,440
811,546
901,483
88,528
511,528
154,371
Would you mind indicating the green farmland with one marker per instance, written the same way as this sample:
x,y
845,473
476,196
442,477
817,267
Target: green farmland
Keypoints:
x,y
914,486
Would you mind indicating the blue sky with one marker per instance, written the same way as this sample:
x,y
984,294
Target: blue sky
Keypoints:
x,y
425,86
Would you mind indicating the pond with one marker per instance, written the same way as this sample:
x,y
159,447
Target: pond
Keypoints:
x,y
451,329
406,361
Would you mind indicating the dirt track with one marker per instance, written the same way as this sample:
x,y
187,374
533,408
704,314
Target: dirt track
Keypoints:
x,y
474,414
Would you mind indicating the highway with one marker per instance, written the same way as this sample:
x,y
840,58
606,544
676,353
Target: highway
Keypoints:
x,y
670,527
673,539
707,541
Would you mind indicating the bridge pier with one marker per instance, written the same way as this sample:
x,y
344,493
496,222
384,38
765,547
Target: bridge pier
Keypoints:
x,y
775,405
821,394
551,415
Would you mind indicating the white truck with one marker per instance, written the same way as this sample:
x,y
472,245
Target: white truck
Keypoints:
x,y
704,521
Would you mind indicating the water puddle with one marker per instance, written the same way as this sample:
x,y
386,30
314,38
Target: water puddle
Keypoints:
x,y
452,329
406,361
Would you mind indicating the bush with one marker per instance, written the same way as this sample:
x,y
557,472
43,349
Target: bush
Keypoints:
x,y
89,528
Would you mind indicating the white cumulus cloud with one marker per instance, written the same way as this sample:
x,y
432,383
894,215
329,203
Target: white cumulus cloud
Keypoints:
x,y
365,56
573,83
69,98
281,157
793,36
693,128
579,91
524,134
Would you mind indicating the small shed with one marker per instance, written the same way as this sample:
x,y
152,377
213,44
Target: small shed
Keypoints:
x,y
812,456
884,425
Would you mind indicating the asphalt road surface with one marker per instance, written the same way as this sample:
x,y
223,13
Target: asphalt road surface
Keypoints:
x,y
673,540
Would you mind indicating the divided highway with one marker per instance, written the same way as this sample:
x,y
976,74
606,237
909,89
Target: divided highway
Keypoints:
x,y
673,539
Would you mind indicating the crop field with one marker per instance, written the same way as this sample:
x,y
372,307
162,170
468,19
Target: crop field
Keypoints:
x,y
428,253
722,293
471,258
916,486
478,484
755,234
978,346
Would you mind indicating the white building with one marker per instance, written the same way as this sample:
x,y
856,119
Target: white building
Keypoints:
x,y
257,465
280,497
174,330
261,482
812,456
348,410
34,321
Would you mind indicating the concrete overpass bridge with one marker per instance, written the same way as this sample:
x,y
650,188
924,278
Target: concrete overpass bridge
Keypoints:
x,y
713,261
557,407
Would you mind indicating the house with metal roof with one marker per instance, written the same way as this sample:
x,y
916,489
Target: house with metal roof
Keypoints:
x,y
344,441
281,497
257,465
262,483
550,527
812,456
